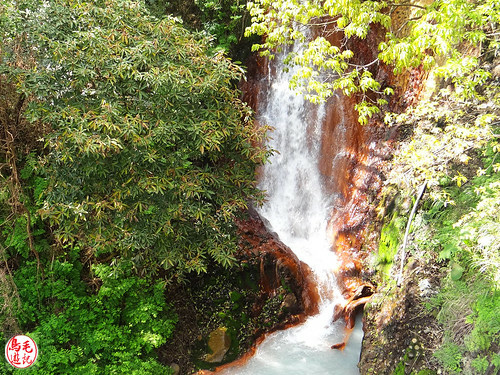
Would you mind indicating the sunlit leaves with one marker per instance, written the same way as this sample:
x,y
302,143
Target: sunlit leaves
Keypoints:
x,y
439,31
443,137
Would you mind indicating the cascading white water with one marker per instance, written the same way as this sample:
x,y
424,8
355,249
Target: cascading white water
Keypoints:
x,y
297,210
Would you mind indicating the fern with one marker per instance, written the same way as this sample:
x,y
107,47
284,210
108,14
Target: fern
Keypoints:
x,y
450,355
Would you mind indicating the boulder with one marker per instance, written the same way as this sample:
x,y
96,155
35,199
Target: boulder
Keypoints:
x,y
218,343
176,368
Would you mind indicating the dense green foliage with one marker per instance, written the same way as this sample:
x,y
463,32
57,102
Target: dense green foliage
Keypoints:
x,y
125,155
150,153
223,20
469,303
85,319
432,34
126,150
114,330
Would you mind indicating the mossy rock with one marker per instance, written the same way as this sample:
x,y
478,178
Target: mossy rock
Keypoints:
x,y
219,343
390,238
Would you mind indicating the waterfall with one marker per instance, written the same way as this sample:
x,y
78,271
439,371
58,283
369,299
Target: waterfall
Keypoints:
x,y
298,209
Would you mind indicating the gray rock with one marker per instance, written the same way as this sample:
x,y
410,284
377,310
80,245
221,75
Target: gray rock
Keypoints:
x,y
495,72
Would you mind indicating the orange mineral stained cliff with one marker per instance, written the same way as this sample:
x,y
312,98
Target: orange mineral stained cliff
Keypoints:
x,y
277,262
349,165
350,159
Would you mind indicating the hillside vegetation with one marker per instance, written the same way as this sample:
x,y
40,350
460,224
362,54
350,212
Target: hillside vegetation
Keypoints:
x,y
125,155
445,315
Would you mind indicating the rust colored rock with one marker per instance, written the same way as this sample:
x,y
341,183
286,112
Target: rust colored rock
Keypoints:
x,y
339,346
253,88
277,262
360,296
351,162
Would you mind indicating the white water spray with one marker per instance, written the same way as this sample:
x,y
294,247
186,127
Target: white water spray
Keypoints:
x,y
298,209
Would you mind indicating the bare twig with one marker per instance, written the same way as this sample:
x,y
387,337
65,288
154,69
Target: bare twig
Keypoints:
x,y
405,242
366,65
407,22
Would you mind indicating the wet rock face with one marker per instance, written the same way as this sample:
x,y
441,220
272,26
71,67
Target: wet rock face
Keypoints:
x,y
268,289
278,264
398,330
349,163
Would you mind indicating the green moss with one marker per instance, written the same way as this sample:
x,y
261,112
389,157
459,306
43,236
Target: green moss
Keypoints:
x,y
390,238
426,372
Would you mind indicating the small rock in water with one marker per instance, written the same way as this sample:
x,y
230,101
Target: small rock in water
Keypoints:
x,y
339,346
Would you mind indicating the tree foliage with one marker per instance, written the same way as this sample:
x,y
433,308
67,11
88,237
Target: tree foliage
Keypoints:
x,y
149,152
446,133
223,20
434,33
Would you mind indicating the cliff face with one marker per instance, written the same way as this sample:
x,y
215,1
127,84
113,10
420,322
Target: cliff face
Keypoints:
x,y
278,265
350,161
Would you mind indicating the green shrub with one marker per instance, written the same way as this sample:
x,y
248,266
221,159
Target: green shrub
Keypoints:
x,y
486,319
480,364
114,330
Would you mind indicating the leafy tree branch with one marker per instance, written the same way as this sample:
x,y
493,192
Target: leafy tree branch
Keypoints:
x,y
150,153
424,35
